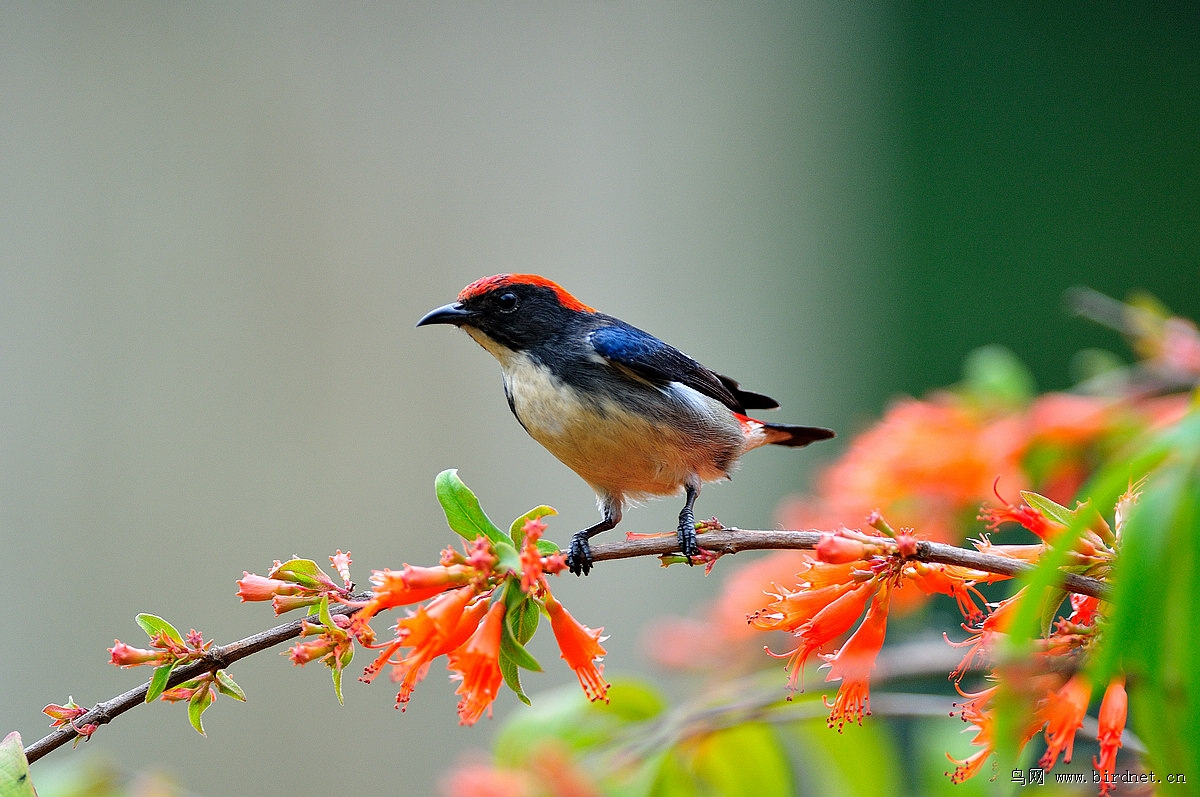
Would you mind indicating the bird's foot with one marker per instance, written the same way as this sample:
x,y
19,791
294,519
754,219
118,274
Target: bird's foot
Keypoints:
x,y
689,546
579,555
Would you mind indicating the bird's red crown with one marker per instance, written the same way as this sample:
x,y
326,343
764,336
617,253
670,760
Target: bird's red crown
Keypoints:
x,y
489,284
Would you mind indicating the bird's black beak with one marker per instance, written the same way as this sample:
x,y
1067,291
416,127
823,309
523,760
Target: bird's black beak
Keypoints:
x,y
449,314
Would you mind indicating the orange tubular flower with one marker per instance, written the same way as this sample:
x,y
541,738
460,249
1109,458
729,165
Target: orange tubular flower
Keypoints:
x,y
1113,710
439,637
427,631
482,780
1024,515
477,663
948,580
580,648
1063,711
411,585
832,621
924,462
984,637
978,710
794,609
854,662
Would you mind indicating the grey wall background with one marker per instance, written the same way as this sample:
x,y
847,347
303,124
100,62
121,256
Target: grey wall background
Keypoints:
x,y
218,224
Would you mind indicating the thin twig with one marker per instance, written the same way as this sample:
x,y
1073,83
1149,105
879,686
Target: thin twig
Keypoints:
x,y
732,540
217,658
722,541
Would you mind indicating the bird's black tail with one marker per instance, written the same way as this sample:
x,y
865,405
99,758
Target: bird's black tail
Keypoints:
x,y
782,434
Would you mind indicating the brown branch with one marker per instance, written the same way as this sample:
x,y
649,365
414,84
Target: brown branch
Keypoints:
x,y
217,658
722,541
732,540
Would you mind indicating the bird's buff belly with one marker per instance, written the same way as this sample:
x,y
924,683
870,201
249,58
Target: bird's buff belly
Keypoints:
x,y
624,454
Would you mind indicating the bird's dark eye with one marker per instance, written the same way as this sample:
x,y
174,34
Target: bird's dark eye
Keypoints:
x,y
507,302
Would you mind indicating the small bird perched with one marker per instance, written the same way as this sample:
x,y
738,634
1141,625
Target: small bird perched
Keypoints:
x,y
633,416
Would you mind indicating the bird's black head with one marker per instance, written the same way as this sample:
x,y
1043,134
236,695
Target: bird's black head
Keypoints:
x,y
518,311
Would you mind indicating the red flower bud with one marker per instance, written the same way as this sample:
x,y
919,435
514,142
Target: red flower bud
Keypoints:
x,y
125,656
285,603
253,587
835,549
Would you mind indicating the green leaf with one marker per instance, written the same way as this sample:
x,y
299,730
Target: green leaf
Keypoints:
x,y
565,717
512,677
14,768
154,625
324,615
521,616
158,682
745,760
463,513
197,705
508,558
1152,633
836,763
228,687
1027,625
517,529
1056,512
304,572
548,548
1052,599
994,375
338,667
632,701
337,683
665,775
514,650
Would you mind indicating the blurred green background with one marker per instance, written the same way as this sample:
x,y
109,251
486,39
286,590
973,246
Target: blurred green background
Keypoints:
x,y
218,224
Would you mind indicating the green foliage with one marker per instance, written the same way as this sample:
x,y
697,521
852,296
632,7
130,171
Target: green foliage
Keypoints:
x,y
862,761
517,529
303,572
633,746
993,375
197,705
1055,511
228,687
14,769
1152,631
158,682
463,512
154,626
520,623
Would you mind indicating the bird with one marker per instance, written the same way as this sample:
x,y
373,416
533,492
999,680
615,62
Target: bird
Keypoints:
x,y
633,416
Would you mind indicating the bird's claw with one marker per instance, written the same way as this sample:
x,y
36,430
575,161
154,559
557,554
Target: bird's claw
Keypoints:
x,y
689,546
579,555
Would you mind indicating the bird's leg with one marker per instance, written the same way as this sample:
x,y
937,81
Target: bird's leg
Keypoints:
x,y
688,545
579,555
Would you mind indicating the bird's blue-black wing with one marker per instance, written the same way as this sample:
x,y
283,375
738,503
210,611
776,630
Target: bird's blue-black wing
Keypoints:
x,y
660,363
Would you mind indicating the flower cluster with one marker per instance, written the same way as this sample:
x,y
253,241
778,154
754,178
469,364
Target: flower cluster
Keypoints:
x,y
479,611
927,464
856,571
170,649
477,607
1052,684
297,583
68,715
